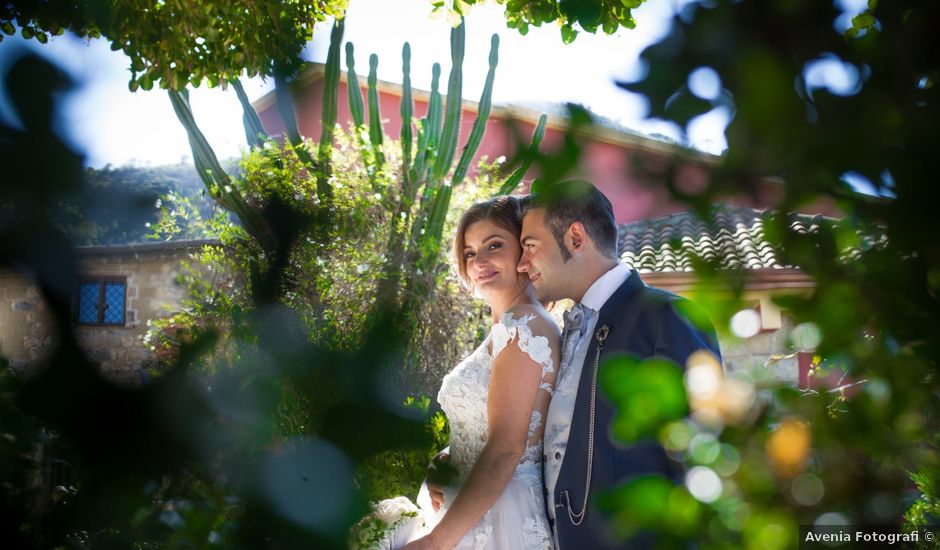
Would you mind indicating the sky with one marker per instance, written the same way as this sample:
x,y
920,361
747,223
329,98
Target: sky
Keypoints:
x,y
115,126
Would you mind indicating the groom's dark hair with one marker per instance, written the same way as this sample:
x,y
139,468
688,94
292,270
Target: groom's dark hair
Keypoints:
x,y
572,201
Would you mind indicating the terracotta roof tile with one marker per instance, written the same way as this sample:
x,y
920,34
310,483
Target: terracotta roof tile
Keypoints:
x,y
735,236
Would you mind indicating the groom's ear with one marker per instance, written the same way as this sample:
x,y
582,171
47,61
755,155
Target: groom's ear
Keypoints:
x,y
576,237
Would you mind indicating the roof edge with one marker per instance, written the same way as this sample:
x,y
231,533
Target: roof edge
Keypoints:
x,y
757,279
137,248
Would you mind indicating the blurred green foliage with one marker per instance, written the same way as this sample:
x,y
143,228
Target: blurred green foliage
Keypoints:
x,y
764,458
651,392
208,454
588,15
217,42
278,384
223,462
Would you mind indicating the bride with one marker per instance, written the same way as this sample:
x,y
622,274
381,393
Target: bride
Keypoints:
x,y
497,398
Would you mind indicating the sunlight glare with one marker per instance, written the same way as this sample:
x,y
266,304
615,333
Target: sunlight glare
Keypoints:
x,y
745,323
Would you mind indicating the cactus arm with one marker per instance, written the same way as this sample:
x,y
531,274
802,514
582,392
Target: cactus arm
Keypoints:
x,y
442,198
429,132
451,131
435,106
355,93
285,108
483,114
510,184
375,115
330,91
254,130
407,108
216,180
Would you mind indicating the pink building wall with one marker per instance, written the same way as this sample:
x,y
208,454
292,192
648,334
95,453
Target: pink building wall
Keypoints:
x,y
609,159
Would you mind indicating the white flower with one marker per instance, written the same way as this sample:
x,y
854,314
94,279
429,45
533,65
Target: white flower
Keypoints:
x,y
500,159
391,510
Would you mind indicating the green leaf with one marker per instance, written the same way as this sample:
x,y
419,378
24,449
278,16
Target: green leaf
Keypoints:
x,y
647,394
568,34
651,502
863,20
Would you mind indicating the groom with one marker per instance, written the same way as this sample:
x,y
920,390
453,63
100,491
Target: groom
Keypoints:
x,y
569,250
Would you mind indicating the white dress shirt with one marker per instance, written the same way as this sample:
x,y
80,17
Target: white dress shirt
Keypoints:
x,y
561,409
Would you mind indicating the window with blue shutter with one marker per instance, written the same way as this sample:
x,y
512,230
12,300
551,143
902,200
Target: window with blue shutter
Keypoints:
x,y
101,302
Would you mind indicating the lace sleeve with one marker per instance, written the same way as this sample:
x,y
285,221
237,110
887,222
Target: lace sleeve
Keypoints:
x,y
510,329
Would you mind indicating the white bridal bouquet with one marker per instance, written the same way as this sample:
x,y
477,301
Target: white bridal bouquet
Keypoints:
x,y
392,523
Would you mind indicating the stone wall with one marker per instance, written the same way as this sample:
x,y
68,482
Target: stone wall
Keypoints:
x,y
24,338
767,356
151,271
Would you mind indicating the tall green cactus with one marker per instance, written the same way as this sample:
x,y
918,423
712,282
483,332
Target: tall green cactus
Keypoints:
x,y
442,198
416,226
417,220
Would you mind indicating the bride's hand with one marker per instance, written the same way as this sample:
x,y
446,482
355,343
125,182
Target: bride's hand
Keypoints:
x,y
437,495
440,473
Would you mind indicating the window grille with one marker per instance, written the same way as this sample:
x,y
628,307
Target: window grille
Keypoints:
x,y
101,302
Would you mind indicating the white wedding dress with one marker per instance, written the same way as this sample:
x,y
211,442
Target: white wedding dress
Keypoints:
x,y
517,519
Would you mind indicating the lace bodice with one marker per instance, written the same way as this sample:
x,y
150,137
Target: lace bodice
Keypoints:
x,y
463,396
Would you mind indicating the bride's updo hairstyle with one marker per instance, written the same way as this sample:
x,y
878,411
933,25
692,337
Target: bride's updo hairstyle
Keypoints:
x,y
505,211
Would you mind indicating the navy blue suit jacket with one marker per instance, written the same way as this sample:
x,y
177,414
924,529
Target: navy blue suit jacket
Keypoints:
x,y
643,322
